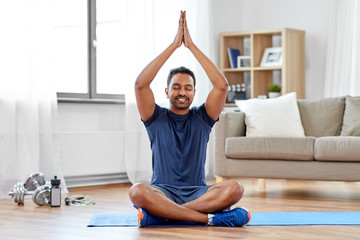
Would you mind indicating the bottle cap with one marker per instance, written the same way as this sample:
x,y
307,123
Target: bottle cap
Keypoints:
x,y
55,181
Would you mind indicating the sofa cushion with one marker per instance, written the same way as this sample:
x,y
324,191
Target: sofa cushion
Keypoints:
x,y
284,148
351,121
322,117
337,149
276,117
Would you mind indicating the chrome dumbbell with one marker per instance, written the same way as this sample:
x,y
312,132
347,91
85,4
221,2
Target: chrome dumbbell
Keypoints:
x,y
41,196
18,192
34,181
36,186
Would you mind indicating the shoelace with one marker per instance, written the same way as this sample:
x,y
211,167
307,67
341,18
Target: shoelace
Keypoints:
x,y
228,221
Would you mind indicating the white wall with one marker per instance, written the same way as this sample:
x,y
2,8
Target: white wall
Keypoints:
x,y
308,15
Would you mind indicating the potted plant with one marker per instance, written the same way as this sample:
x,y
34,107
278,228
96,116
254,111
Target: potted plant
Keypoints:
x,y
274,91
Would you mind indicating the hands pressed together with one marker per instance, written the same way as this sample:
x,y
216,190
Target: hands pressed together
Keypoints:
x,y
183,35
144,95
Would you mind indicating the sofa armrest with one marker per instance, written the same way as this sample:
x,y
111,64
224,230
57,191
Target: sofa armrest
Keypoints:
x,y
230,124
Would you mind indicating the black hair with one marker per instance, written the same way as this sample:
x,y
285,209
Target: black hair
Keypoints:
x,y
180,70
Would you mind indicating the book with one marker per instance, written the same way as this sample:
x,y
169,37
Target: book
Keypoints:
x,y
233,53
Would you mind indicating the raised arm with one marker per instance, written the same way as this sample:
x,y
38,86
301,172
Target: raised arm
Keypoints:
x,y
144,96
216,98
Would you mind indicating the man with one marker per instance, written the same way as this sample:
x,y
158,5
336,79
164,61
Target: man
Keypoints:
x,y
179,137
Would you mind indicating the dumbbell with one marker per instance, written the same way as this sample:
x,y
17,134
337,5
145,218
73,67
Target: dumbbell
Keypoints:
x,y
41,195
35,182
18,192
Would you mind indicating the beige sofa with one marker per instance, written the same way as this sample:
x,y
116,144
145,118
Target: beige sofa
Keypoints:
x,y
330,151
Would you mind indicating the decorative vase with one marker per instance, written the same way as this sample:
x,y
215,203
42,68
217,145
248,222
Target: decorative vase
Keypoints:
x,y
274,94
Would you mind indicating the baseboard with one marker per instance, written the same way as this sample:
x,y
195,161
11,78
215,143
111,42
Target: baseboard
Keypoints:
x,y
96,179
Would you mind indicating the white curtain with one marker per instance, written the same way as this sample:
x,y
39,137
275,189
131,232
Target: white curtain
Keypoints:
x,y
28,104
156,24
343,56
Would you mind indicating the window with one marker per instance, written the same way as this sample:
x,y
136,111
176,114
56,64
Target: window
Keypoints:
x,y
87,48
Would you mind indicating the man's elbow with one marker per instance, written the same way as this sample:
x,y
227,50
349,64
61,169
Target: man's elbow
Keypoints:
x,y
224,86
139,84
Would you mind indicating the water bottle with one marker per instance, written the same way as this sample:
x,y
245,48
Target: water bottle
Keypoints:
x,y
55,193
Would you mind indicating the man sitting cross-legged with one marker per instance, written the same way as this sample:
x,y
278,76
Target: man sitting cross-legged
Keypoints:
x,y
179,137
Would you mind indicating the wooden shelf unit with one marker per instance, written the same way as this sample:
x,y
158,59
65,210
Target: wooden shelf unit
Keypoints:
x,y
253,44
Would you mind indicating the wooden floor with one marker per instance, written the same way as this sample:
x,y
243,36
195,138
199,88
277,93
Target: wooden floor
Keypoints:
x,y
69,222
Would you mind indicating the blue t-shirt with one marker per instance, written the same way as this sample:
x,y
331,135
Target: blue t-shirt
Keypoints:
x,y
178,144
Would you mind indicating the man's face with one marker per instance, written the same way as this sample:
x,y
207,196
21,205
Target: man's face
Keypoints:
x,y
181,91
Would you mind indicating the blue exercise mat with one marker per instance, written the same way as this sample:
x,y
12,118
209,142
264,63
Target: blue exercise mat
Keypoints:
x,y
304,218
113,220
257,219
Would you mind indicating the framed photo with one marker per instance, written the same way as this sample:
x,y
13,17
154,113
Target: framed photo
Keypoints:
x,y
272,57
243,61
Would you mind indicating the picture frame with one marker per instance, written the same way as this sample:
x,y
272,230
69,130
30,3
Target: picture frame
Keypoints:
x,y
243,61
272,57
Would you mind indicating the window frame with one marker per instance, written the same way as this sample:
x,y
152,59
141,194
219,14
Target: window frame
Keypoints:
x,y
92,96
